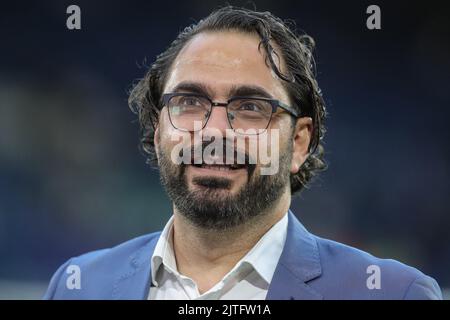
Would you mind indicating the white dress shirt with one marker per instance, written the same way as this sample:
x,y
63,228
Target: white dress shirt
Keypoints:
x,y
249,279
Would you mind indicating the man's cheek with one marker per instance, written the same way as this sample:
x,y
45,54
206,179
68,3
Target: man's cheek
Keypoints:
x,y
269,152
177,145
180,152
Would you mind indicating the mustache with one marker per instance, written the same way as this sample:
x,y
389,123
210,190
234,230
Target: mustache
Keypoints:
x,y
230,154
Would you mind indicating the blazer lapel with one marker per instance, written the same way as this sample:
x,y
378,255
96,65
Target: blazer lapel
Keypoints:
x,y
134,283
299,263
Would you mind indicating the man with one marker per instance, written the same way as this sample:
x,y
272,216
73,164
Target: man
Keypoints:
x,y
238,75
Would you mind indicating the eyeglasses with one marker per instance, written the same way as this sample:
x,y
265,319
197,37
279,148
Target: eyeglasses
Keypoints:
x,y
251,115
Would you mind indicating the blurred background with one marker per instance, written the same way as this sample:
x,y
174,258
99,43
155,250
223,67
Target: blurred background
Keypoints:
x,y
72,179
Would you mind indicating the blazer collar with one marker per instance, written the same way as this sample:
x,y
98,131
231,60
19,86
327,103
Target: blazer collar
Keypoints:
x,y
134,282
298,264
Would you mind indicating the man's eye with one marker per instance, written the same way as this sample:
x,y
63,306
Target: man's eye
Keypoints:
x,y
249,106
190,101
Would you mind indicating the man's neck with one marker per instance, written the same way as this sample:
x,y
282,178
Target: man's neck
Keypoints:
x,y
207,256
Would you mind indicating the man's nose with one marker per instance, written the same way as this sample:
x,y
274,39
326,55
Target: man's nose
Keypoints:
x,y
218,120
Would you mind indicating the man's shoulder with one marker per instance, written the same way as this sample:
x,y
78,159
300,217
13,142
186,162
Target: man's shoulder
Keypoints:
x,y
98,270
98,260
345,257
121,251
351,273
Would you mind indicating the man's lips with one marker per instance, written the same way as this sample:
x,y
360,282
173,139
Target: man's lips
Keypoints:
x,y
220,166
215,169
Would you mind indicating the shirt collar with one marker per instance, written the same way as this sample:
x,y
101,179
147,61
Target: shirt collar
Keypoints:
x,y
163,254
263,257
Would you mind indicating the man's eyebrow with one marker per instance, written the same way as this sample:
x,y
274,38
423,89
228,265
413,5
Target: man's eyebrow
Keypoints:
x,y
192,87
249,91
234,91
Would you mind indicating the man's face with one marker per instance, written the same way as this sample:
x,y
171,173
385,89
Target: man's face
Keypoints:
x,y
218,64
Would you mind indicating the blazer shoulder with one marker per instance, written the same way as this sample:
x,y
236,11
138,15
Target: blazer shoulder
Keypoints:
x,y
97,266
119,252
346,267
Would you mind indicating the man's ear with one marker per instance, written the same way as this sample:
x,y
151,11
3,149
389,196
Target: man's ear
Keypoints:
x,y
300,142
156,136
156,140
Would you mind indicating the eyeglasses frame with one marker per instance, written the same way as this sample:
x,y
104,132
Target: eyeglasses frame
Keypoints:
x,y
273,102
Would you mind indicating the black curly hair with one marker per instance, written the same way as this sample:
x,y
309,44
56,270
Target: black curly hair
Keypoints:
x,y
299,80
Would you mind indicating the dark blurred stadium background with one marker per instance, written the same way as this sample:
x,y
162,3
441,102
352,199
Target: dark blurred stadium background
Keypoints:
x,y
72,179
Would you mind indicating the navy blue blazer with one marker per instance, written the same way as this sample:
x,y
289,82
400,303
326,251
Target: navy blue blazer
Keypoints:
x,y
309,268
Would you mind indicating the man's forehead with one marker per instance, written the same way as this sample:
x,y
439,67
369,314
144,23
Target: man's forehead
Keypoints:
x,y
222,49
224,58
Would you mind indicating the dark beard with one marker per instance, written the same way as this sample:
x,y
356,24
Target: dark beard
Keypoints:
x,y
209,208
